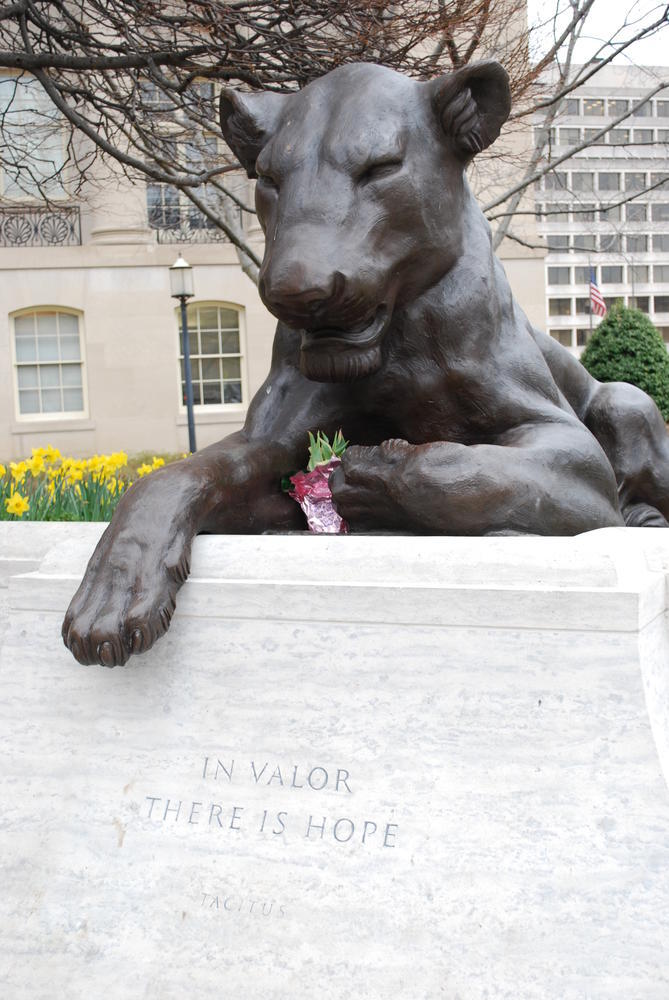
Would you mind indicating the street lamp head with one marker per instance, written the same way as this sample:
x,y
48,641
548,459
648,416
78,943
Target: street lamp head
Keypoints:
x,y
181,279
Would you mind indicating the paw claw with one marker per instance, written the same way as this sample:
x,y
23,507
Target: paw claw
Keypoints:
x,y
106,654
137,641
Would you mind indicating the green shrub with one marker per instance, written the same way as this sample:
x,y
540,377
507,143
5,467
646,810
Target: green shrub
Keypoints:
x,y
626,347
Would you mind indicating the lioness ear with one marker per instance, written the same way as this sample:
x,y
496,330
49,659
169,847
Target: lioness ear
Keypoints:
x,y
473,103
247,123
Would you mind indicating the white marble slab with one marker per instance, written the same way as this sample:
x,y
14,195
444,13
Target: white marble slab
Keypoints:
x,y
493,719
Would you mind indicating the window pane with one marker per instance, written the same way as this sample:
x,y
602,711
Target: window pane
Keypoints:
x,y
212,392
68,325
664,330
593,106
610,214
661,272
558,275
590,133
229,319
230,343
611,242
570,136
660,211
582,181
663,135
611,275
639,302
661,242
663,109
211,368
582,337
636,244
635,181
556,180
49,376
557,242
660,179
47,324
584,212
208,318
232,369
73,400
645,111
583,307
29,401
609,181
571,106
232,392
26,347
619,136
584,241
643,135
71,375
562,336
559,307
69,348
27,377
661,303
636,213
51,401
637,273
617,107
25,325
209,342
47,348
582,275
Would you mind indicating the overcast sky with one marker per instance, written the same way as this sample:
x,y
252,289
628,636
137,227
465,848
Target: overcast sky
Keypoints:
x,y
604,17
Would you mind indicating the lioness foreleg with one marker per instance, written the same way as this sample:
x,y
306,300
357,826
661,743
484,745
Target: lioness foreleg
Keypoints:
x,y
547,478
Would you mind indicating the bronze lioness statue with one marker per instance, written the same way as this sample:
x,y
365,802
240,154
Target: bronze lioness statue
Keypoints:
x,y
397,324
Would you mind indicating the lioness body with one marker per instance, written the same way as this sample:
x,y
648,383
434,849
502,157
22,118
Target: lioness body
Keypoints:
x,y
397,324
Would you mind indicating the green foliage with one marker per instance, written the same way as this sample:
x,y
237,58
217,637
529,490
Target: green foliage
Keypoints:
x,y
626,347
321,451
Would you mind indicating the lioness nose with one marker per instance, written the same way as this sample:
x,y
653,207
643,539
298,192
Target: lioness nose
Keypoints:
x,y
298,287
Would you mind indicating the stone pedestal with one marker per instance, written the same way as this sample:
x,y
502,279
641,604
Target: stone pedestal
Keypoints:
x,y
364,767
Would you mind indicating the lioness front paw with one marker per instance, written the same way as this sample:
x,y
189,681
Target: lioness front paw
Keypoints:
x,y
125,601
366,486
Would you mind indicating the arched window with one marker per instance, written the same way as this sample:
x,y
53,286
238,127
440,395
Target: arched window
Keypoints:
x,y
216,334
48,363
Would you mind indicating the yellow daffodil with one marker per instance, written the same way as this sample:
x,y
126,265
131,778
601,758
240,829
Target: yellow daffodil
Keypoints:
x,y
19,470
16,504
51,454
157,462
3,470
35,465
144,470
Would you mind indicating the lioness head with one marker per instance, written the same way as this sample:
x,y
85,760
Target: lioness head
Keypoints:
x,y
360,195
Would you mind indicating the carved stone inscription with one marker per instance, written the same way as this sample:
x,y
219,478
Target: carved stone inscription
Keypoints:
x,y
221,808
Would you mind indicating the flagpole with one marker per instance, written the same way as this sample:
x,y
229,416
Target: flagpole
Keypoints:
x,y
590,294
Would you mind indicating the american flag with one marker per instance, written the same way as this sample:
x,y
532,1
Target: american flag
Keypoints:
x,y
597,303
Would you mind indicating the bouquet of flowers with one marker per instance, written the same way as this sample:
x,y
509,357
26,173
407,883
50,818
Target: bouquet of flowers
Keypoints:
x,y
311,488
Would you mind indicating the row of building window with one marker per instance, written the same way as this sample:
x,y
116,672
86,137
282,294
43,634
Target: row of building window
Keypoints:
x,y
634,211
579,337
609,274
49,360
574,136
608,242
598,107
581,306
602,180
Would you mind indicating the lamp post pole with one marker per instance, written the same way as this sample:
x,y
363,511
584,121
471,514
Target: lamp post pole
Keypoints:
x,y
181,281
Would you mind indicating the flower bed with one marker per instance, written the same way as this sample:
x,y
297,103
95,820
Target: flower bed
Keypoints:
x,y
51,487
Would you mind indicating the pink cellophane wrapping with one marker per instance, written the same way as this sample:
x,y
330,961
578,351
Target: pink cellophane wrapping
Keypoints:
x,y
312,492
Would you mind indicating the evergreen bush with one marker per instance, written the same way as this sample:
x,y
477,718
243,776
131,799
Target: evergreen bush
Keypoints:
x,y
626,347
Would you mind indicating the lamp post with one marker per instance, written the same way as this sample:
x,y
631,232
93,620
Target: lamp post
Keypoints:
x,y
181,285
